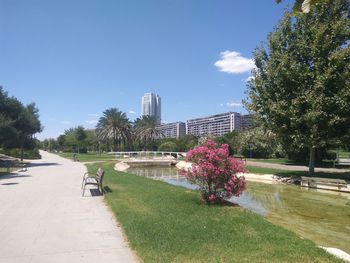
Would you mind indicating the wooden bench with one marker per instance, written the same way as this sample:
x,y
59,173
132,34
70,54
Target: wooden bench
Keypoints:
x,y
329,183
96,179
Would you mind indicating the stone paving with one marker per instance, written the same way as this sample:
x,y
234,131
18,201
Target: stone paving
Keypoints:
x,y
44,218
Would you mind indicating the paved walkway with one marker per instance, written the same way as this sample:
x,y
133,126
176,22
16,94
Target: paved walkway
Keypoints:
x,y
295,167
44,218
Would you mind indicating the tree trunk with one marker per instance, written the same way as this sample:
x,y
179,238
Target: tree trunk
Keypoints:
x,y
114,141
22,152
312,161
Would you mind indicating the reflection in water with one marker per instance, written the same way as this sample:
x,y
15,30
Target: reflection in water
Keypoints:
x,y
321,217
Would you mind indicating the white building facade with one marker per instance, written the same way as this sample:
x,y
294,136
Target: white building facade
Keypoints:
x,y
215,125
173,130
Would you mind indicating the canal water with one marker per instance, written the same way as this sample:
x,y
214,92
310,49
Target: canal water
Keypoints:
x,y
323,217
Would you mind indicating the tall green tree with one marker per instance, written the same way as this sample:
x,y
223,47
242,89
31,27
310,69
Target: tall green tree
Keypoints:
x,y
10,109
18,123
114,125
27,124
300,88
80,136
146,131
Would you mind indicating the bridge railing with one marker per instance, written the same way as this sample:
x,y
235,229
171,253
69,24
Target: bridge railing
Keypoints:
x,y
148,154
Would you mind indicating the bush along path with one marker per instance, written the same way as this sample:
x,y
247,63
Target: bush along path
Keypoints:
x,y
165,223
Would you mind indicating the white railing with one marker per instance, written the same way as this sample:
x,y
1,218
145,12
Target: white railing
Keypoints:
x,y
148,154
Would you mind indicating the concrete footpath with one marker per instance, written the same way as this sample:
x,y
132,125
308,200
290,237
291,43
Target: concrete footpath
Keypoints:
x,y
44,218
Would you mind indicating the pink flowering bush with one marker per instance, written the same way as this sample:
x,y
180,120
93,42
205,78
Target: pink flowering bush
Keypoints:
x,y
215,171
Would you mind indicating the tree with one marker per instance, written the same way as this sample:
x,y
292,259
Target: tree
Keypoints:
x,y
61,142
80,136
10,109
215,172
91,140
27,124
168,146
18,123
300,88
256,143
146,131
114,125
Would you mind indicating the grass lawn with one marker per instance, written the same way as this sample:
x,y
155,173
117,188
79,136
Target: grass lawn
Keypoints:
x,y
344,154
88,157
3,170
165,223
286,173
323,164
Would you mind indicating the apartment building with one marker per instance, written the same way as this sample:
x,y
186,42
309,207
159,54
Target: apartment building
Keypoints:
x,y
215,125
173,130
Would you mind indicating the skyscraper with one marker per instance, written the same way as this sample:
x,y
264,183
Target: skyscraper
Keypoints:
x,y
151,106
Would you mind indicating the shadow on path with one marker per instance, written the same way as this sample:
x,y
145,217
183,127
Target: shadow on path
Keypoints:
x,y
13,175
95,192
9,183
42,164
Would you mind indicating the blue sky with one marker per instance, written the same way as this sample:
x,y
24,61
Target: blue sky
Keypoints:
x,y
76,58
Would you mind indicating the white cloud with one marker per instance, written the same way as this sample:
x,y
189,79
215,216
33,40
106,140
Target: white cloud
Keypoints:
x,y
94,115
233,104
232,62
66,122
91,121
221,105
132,112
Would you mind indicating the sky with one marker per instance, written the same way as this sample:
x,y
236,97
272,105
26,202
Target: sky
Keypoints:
x,y
77,58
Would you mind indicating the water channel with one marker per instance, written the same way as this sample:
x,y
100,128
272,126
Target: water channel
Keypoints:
x,y
323,217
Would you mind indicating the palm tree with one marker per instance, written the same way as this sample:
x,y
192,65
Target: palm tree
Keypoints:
x,y
145,129
114,125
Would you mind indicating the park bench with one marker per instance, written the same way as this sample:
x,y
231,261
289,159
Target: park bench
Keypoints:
x,y
96,179
324,183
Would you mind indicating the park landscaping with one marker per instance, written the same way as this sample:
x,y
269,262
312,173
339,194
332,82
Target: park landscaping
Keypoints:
x,y
165,223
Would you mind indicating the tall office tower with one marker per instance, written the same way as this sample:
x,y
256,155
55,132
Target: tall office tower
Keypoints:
x,y
151,106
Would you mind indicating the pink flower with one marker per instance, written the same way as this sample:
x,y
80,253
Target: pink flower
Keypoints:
x,y
213,165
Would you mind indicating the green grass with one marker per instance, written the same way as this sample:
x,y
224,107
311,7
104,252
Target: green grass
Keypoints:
x,y
344,154
88,157
285,161
4,171
165,223
287,173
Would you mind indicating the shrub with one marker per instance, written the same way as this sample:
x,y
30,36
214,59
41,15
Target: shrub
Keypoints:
x,y
215,172
27,154
168,146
